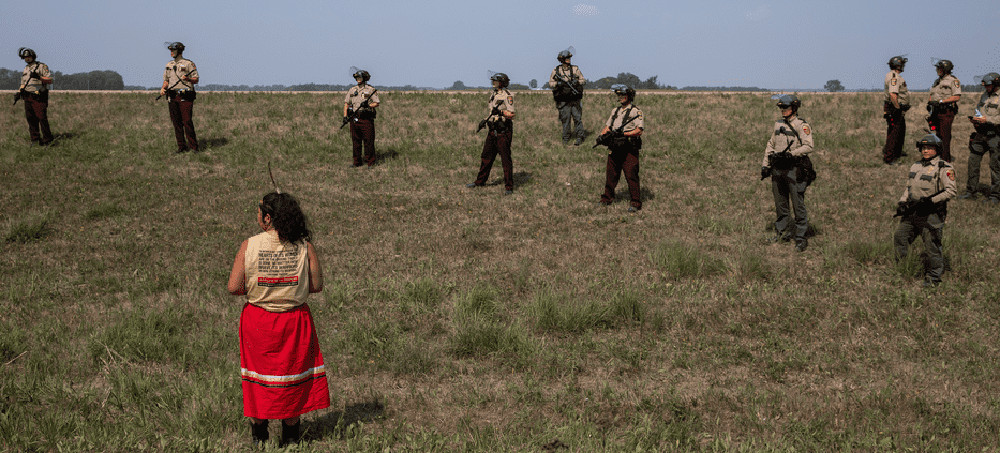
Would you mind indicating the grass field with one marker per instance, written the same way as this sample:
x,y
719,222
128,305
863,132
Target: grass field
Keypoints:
x,y
464,320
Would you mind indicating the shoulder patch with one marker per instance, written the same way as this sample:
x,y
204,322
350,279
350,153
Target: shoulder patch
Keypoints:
x,y
805,129
957,83
510,99
951,174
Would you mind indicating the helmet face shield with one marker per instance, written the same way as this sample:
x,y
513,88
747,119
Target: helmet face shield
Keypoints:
x,y
930,140
25,52
991,79
897,62
623,90
788,101
502,78
945,65
176,46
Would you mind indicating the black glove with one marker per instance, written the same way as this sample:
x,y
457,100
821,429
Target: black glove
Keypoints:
x,y
900,209
765,172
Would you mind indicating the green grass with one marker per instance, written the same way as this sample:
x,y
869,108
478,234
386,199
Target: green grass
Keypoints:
x,y
464,320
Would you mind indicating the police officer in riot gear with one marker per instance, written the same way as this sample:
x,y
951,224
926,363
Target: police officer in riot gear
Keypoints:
x,y
359,109
924,206
501,132
566,82
894,107
942,105
786,162
985,139
34,90
622,134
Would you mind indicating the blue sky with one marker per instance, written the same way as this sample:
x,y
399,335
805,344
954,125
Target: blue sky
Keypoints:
x,y
770,44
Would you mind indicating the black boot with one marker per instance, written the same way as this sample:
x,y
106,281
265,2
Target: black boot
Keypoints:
x,y
289,434
260,434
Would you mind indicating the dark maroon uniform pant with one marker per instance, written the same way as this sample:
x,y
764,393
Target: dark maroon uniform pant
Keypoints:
x,y
895,133
363,133
497,142
180,115
36,108
941,122
623,159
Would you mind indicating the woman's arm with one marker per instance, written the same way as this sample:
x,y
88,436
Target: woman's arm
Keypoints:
x,y
238,276
315,271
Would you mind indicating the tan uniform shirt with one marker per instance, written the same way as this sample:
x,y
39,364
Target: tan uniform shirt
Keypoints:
x,y
277,272
35,85
928,178
177,68
894,83
945,87
989,107
801,139
569,74
503,101
625,114
357,94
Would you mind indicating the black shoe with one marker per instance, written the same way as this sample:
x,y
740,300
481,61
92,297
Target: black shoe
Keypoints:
x,y
508,192
779,237
472,185
632,209
578,142
259,433
289,434
800,246
565,141
928,283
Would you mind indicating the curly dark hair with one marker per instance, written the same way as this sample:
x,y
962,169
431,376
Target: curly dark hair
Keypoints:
x,y
286,217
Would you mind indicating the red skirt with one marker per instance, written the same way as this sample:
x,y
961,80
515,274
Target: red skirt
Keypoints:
x,y
282,367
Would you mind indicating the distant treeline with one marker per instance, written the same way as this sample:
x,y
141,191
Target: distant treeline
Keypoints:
x,y
111,80
93,80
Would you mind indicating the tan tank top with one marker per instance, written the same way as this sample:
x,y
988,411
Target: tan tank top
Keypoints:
x,y
277,272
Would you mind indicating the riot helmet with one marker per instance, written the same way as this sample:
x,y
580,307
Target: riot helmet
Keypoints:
x,y
930,140
564,55
789,100
897,62
25,52
991,79
178,46
502,78
945,65
624,90
362,74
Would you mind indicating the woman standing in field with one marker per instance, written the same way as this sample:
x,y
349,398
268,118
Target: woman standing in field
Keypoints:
x,y
281,363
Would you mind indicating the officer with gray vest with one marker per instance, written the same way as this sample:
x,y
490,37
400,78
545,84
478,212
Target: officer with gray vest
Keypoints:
x,y
985,139
924,205
787,163
566,82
